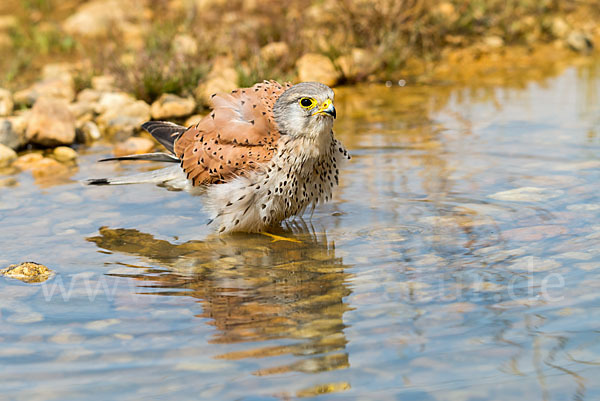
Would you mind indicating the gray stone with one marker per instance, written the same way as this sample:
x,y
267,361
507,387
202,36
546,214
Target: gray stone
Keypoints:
x,y
9,136
59,87
57,81
124,121
111,101
88,133
89,95
51,123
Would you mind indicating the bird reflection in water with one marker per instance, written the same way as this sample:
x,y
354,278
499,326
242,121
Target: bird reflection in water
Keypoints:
x,y
254,288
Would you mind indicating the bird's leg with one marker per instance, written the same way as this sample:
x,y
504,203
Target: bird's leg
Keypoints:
x,y
313,231
279,237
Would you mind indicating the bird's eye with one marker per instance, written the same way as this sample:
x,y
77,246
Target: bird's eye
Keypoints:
x,y
308,102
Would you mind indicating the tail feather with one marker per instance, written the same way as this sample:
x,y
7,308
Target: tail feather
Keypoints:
x,y
156,157
164,132
171,176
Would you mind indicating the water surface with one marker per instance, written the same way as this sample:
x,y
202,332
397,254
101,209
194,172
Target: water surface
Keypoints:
x,y
459,260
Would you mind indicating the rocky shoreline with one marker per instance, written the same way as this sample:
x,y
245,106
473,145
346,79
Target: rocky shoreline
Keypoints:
x,y
61,109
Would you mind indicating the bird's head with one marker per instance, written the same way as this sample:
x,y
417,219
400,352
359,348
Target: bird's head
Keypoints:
x,y
305,109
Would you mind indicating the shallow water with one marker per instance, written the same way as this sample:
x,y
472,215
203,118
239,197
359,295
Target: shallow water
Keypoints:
x,y
459,260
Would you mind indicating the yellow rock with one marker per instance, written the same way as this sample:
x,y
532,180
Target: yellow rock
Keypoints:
x,y
27,161
446,12
193,120
64,154
316,67
104,83
169,105
7,156
28,272
222,78
358,64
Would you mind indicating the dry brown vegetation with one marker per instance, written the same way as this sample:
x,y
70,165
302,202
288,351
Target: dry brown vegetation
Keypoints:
x,y
140,48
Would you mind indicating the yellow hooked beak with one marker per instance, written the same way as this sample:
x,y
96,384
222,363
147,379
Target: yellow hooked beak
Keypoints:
x,y
326,108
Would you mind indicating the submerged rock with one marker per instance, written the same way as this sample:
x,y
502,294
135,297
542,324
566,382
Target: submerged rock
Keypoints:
x,y
48,169
41,168
527,194
28,160
28,272
51,123
134,146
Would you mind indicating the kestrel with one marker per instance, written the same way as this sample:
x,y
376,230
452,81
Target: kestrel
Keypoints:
x,y
262,155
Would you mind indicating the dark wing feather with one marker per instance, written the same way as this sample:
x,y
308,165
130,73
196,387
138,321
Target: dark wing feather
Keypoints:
x,y
164,132
156,157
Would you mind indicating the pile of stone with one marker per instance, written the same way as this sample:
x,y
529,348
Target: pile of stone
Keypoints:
x,y
49,114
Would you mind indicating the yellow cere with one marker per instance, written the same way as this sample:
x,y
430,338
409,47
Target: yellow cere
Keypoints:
x,y
326,104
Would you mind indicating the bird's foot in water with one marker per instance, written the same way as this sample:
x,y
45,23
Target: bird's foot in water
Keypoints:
x,y
276,238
